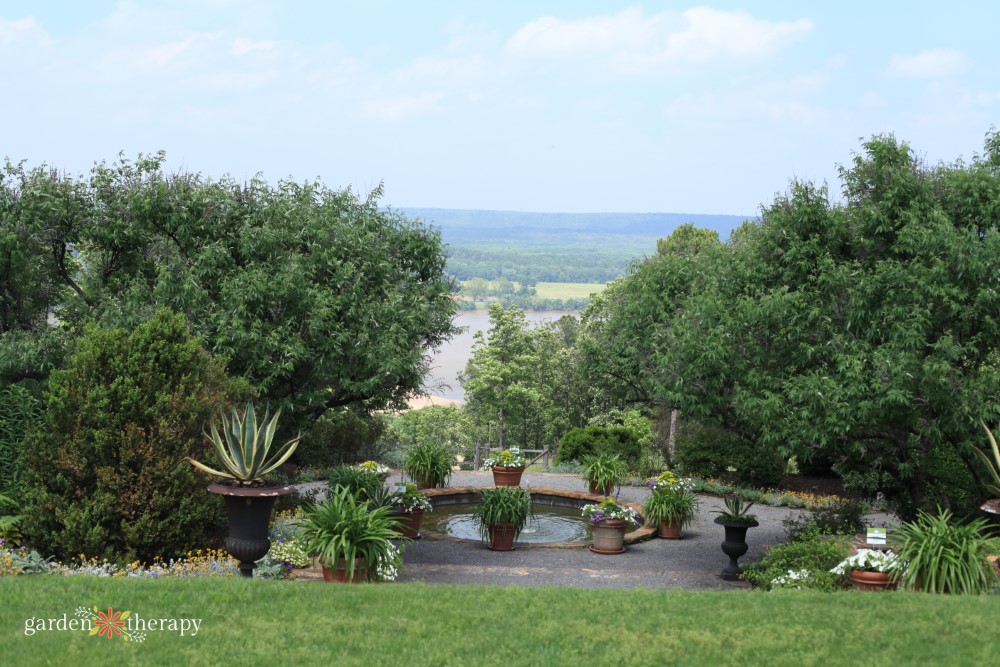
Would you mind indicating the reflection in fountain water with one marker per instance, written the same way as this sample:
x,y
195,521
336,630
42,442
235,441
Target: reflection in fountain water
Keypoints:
x,y
551,524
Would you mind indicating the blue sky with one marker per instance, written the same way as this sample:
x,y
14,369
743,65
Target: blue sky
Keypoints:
x,y
578,106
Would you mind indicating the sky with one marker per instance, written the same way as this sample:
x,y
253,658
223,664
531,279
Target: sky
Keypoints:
x,y
573,106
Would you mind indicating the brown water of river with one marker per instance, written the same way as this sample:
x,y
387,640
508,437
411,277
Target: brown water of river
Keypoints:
x,y
451,358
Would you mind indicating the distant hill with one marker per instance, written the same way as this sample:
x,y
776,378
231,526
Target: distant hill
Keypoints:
x,y
471,223
528,248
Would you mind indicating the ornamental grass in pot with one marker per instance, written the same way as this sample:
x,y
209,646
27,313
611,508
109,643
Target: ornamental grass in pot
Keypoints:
x,y
604,472
349,537
243,448
671,505
943,556
609,520
500,515
428,465
507,466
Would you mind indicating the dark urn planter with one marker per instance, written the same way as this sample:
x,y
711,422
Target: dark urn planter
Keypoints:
x,y
503,476
249,510
735,545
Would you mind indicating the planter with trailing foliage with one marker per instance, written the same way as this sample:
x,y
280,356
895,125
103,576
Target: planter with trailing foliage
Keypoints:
x,y
871,570
609,521
408,506
736,521
242,448
507,466
671,505
501,514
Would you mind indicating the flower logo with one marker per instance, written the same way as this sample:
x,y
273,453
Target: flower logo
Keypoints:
x,y
109,623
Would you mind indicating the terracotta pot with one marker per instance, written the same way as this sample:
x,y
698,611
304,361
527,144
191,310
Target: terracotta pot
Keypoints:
x,y
249,510
606,491
507,476
339,575
872,581
409,522
502,537
609,536
669,530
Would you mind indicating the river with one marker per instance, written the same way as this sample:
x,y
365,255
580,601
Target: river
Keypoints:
x,y
450,359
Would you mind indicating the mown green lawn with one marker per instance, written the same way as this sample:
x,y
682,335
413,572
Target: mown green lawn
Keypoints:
x,y
298,623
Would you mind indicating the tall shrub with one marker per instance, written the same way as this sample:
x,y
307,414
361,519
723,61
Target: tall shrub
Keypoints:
x,y
19,411
105,474
596,440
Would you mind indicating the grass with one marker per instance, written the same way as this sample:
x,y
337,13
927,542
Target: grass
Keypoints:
x,y
567,290
274,622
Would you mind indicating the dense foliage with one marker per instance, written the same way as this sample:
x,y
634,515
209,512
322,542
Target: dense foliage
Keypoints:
x,y
319,297
863,329
579,443
104,472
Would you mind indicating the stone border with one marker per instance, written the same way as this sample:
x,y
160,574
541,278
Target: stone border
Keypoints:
x,y
449,495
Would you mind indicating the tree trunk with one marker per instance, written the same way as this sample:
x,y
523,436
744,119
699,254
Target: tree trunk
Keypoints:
x,y
672,438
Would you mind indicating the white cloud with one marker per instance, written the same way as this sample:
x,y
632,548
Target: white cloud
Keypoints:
x,y
400,107
635,42
936,63
24,30
243,46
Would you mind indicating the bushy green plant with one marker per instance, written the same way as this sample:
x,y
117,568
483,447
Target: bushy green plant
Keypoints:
x,y
343,529
609,508
364,484
604,471
579,443
19,412
672,500
341,437
104,469
736,510
507,507
10,518
842,517
944,556
707,450
804,562
428,463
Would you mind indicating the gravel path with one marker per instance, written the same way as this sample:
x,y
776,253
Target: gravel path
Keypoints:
x,y
693,563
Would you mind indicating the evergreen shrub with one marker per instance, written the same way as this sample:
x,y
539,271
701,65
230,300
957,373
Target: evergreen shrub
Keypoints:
x,y
105,472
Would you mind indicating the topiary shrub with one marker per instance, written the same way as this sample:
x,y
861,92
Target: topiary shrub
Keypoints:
x,y
596,440
105,474
711,451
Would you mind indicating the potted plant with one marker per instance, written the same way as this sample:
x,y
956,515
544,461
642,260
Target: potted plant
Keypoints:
x,y
501,514
350,538
244,450
604,472
409,506
736,519
870,570
608,522
362,482
942,556
428,465
507,466
671,505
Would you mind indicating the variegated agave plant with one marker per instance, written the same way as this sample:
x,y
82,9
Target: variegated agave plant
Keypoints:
x,y
243,447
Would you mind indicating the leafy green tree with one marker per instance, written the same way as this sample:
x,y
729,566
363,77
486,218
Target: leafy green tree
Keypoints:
x,y
863,329
446,425
321,298
104,470
521,383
